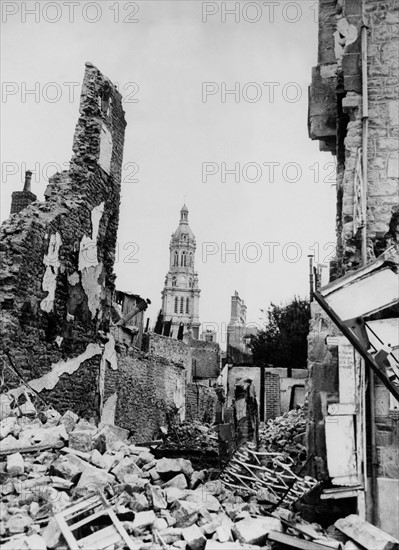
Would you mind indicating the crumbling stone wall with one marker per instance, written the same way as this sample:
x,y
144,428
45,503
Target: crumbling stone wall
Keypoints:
x,y
336,119
206,358
57,262
201,403
175,351
147,391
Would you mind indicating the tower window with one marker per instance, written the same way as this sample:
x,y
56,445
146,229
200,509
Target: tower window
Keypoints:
x,y
190,263
176,304
173,281
176,258
187,305
181,304
183,258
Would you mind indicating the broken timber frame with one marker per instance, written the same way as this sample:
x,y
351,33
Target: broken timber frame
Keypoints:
x,y
348,332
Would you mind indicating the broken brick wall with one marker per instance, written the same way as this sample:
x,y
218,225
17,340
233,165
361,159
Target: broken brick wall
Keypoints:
x,y
147,387
57,262
201,403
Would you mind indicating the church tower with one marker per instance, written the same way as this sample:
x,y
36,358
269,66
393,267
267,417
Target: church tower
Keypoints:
x,y
180,296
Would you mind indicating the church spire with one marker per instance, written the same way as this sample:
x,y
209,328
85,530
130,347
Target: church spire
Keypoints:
x,y
180,296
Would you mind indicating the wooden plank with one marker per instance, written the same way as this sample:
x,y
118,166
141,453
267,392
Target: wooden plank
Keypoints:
x,y
337,496
30,448
88,519
66,533
367,535
365,296
346,374
341,449
121,530
295,542
342,409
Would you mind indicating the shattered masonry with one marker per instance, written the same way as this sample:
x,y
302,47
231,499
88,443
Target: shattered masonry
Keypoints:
x,y
57,262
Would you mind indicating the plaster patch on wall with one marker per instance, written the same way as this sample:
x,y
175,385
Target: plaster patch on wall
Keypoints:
x,y
92,288
179,398
73,279
52,263
105,149
88,245
50,380
108,412
89,266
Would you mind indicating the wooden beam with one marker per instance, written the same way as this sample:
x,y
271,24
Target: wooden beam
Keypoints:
x,y
367,535
296,542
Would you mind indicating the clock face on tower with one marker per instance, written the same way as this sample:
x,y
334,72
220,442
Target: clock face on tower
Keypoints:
x,y
182,280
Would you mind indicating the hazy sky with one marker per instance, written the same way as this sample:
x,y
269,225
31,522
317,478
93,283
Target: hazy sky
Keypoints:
x,y
175,63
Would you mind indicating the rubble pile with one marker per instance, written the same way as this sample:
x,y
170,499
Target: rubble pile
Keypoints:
x,y
192,435
68,484
285,435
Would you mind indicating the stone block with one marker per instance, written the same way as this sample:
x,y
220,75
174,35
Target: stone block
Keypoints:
x,y
255,530
125,466
353,83
93,480
194,538
138,502
7,426
144,519
170,467
185,513
135,482
156,497
179,482
15,464
144,458
204,499
68,467
69,419
81,440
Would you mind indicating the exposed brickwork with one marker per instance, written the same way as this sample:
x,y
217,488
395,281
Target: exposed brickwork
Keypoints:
x,y
20,200
175,351
201,403
146,386
57,260
272,395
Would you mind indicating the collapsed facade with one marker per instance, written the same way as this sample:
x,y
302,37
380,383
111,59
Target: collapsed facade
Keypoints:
x,y
353,435
57,265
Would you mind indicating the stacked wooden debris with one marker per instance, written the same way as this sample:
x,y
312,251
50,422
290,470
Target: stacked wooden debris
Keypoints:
x,y
269,476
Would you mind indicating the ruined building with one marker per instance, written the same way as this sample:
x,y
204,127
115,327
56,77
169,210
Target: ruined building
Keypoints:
x,y
353,432
238,332
180,296
57,261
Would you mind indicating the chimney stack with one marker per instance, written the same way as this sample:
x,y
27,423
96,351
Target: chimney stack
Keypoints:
x,y
28,179
22,199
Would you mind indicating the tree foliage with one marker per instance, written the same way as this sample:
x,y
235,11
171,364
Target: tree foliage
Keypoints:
x,y
283,343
